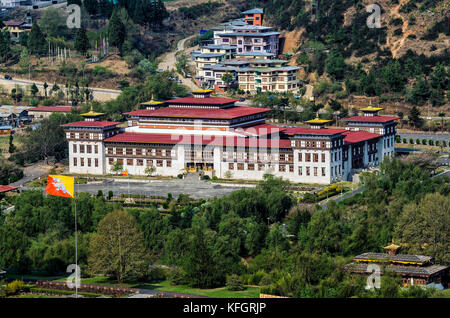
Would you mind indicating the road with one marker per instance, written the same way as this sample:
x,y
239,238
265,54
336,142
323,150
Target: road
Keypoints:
x,y
100,94
31,173
168,61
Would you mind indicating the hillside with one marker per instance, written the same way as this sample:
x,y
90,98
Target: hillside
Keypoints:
x,y
349,62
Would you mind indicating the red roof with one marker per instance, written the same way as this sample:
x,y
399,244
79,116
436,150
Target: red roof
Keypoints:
x,y
221,113
51,109
131,137
381,119
5,188
92,124
310,131
201,101
261,130
358,136
12,23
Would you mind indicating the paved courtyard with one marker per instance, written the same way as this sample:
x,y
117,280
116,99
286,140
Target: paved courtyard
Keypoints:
x,y
195,188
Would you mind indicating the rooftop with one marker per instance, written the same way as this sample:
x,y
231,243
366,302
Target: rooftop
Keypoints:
x,y
217,113
217,101
51,109
6,188
358,136
402,270
399,258
371,109
94,124
133,137
380,119
253,11
310,131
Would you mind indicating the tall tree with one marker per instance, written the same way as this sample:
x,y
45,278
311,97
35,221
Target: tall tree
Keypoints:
x,y
82,44
36,42
116,31
5,47
117,249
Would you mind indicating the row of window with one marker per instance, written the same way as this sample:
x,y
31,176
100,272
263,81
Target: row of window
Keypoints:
x,y
142,151
140,162
85,162
84,148
257,156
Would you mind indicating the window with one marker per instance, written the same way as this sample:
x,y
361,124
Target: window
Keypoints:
x,y
129,162
315,171
300,171
110,161
308,157
96,162
81,148
230,166
323,172
74,161
251,166
149,163
74,148
96,149
323,157
316,157
159,163
169,163
291,168
82,162
300,156
308,171
139,162
240,166
282,168
129,151
89,149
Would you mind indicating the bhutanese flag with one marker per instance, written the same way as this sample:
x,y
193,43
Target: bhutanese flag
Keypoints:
x,y
60,186
125,173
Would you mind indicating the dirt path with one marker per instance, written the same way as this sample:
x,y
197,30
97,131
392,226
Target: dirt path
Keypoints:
x,y
168,60
396,44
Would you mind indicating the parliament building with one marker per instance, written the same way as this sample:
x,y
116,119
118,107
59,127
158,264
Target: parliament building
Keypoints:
x,y
213,135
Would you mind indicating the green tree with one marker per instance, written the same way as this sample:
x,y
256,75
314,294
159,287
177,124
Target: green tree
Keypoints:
x,y
116,31
150,170
11,148
34,90
414,117
116,167
117,248
393,76
82,44
335,64
36,41
53,23
24,61
5,46
425,227
227,78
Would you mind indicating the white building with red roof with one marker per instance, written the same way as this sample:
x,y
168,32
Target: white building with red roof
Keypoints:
x,y
211,134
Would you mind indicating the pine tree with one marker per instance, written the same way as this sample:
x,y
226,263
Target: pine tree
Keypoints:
x,y
24,61
414,117
116,31
4,46
82,44
36,41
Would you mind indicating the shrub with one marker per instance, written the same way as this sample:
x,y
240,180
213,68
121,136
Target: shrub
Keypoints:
x,y
437,143
205,177
176,276
411,141
404,141
444,143
418,141
110,194
424,141
397,139
157,273
234,283
430,142
15,287
180,176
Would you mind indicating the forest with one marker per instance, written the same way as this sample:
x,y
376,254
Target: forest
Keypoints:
x,y
257,236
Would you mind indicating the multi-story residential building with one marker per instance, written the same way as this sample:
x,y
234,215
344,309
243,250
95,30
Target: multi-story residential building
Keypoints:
x,y
207,133
212,55
251,38
262,75
254,16
15,28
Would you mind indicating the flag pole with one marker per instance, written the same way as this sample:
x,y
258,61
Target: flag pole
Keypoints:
x,y
76,242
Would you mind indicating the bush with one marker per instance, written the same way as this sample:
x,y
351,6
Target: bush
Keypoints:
x,y
444,143
234,283
205,177
110,194
430,142
180,176
176,276
418,141
411,141
157,273
15,287
424,141
404,141
437,143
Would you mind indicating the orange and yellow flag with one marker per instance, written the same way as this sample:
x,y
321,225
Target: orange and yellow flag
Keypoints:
x,y
125,173
60,186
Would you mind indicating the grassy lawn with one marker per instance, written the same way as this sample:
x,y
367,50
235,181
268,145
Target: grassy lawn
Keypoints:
x,y
164,286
